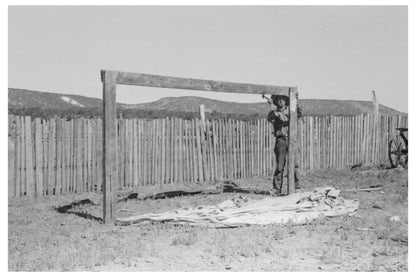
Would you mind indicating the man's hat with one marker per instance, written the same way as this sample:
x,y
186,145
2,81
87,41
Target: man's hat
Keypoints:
x,y
276,98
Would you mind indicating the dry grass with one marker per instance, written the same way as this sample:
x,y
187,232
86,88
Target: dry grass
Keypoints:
x,y
40,239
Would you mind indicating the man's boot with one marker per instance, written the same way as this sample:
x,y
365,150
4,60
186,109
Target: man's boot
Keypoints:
x,y
277,185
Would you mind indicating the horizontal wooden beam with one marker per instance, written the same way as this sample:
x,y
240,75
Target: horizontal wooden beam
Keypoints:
x,y
148,80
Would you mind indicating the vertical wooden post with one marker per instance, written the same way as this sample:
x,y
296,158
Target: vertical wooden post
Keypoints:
x,y
18,161
58,174
292,138
202,114
375,127
109,145
12,155
30,182
38,158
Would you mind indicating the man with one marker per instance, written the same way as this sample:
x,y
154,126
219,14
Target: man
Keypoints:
x,y
279,117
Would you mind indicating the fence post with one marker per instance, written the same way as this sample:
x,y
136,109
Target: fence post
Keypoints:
x,y
109,145
375,126
292,138
38,158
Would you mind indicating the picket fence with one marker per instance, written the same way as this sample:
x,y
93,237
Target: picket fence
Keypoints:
x,y
59,156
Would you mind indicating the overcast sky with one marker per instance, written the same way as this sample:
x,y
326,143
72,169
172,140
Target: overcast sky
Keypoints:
x,y
327,52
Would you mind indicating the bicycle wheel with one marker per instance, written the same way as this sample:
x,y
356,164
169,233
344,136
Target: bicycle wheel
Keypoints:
x,y
397,152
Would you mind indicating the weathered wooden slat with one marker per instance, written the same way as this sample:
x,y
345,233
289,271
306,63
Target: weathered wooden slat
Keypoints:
x,y
161,145
350,149
129,154
355,142
158,152
243,148
139,126
58,175
320,142
234,148
339,143
12,156
180,149
152,153
100,156
134,149
79,156
191,146
160,170
71,155
221,170
261,133
252,135
215,148
89,156
335,138
239,150
246,148
190,152
168,151
198,127
23,171
149,80
141,157
84,142
75,156
195,151
45,126
210,155
148,150
93,154
184,152
175,158
18,167
130,145
223,150
30,181
64,155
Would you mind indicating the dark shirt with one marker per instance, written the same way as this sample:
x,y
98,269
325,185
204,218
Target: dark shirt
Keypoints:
x,y
280,120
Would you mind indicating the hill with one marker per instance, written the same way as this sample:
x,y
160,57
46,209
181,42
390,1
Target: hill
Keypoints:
x,y
20,99
310,107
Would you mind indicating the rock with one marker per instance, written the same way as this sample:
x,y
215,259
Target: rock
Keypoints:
x,y
395,218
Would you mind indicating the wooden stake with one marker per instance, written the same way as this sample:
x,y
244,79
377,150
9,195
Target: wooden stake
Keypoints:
x,y
30,183
292,138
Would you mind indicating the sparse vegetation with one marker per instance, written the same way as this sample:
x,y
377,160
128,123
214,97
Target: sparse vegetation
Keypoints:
x,y
40,239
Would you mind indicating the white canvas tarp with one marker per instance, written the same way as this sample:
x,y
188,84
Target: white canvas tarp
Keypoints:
x,y
298,208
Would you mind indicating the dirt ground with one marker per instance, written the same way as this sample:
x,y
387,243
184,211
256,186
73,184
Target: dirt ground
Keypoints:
x,y
374,239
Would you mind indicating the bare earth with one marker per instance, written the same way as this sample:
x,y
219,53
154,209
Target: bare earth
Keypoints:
x,y
374,239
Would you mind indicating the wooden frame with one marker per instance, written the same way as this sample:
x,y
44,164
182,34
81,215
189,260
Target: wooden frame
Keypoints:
x,y
111,79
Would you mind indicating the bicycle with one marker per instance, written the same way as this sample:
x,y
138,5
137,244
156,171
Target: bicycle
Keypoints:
x,y
398,149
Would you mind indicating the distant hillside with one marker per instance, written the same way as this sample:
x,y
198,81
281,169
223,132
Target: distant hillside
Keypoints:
x,y
192,103
19,98
313,107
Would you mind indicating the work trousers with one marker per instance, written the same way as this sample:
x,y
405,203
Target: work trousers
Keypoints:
x,y
281,148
